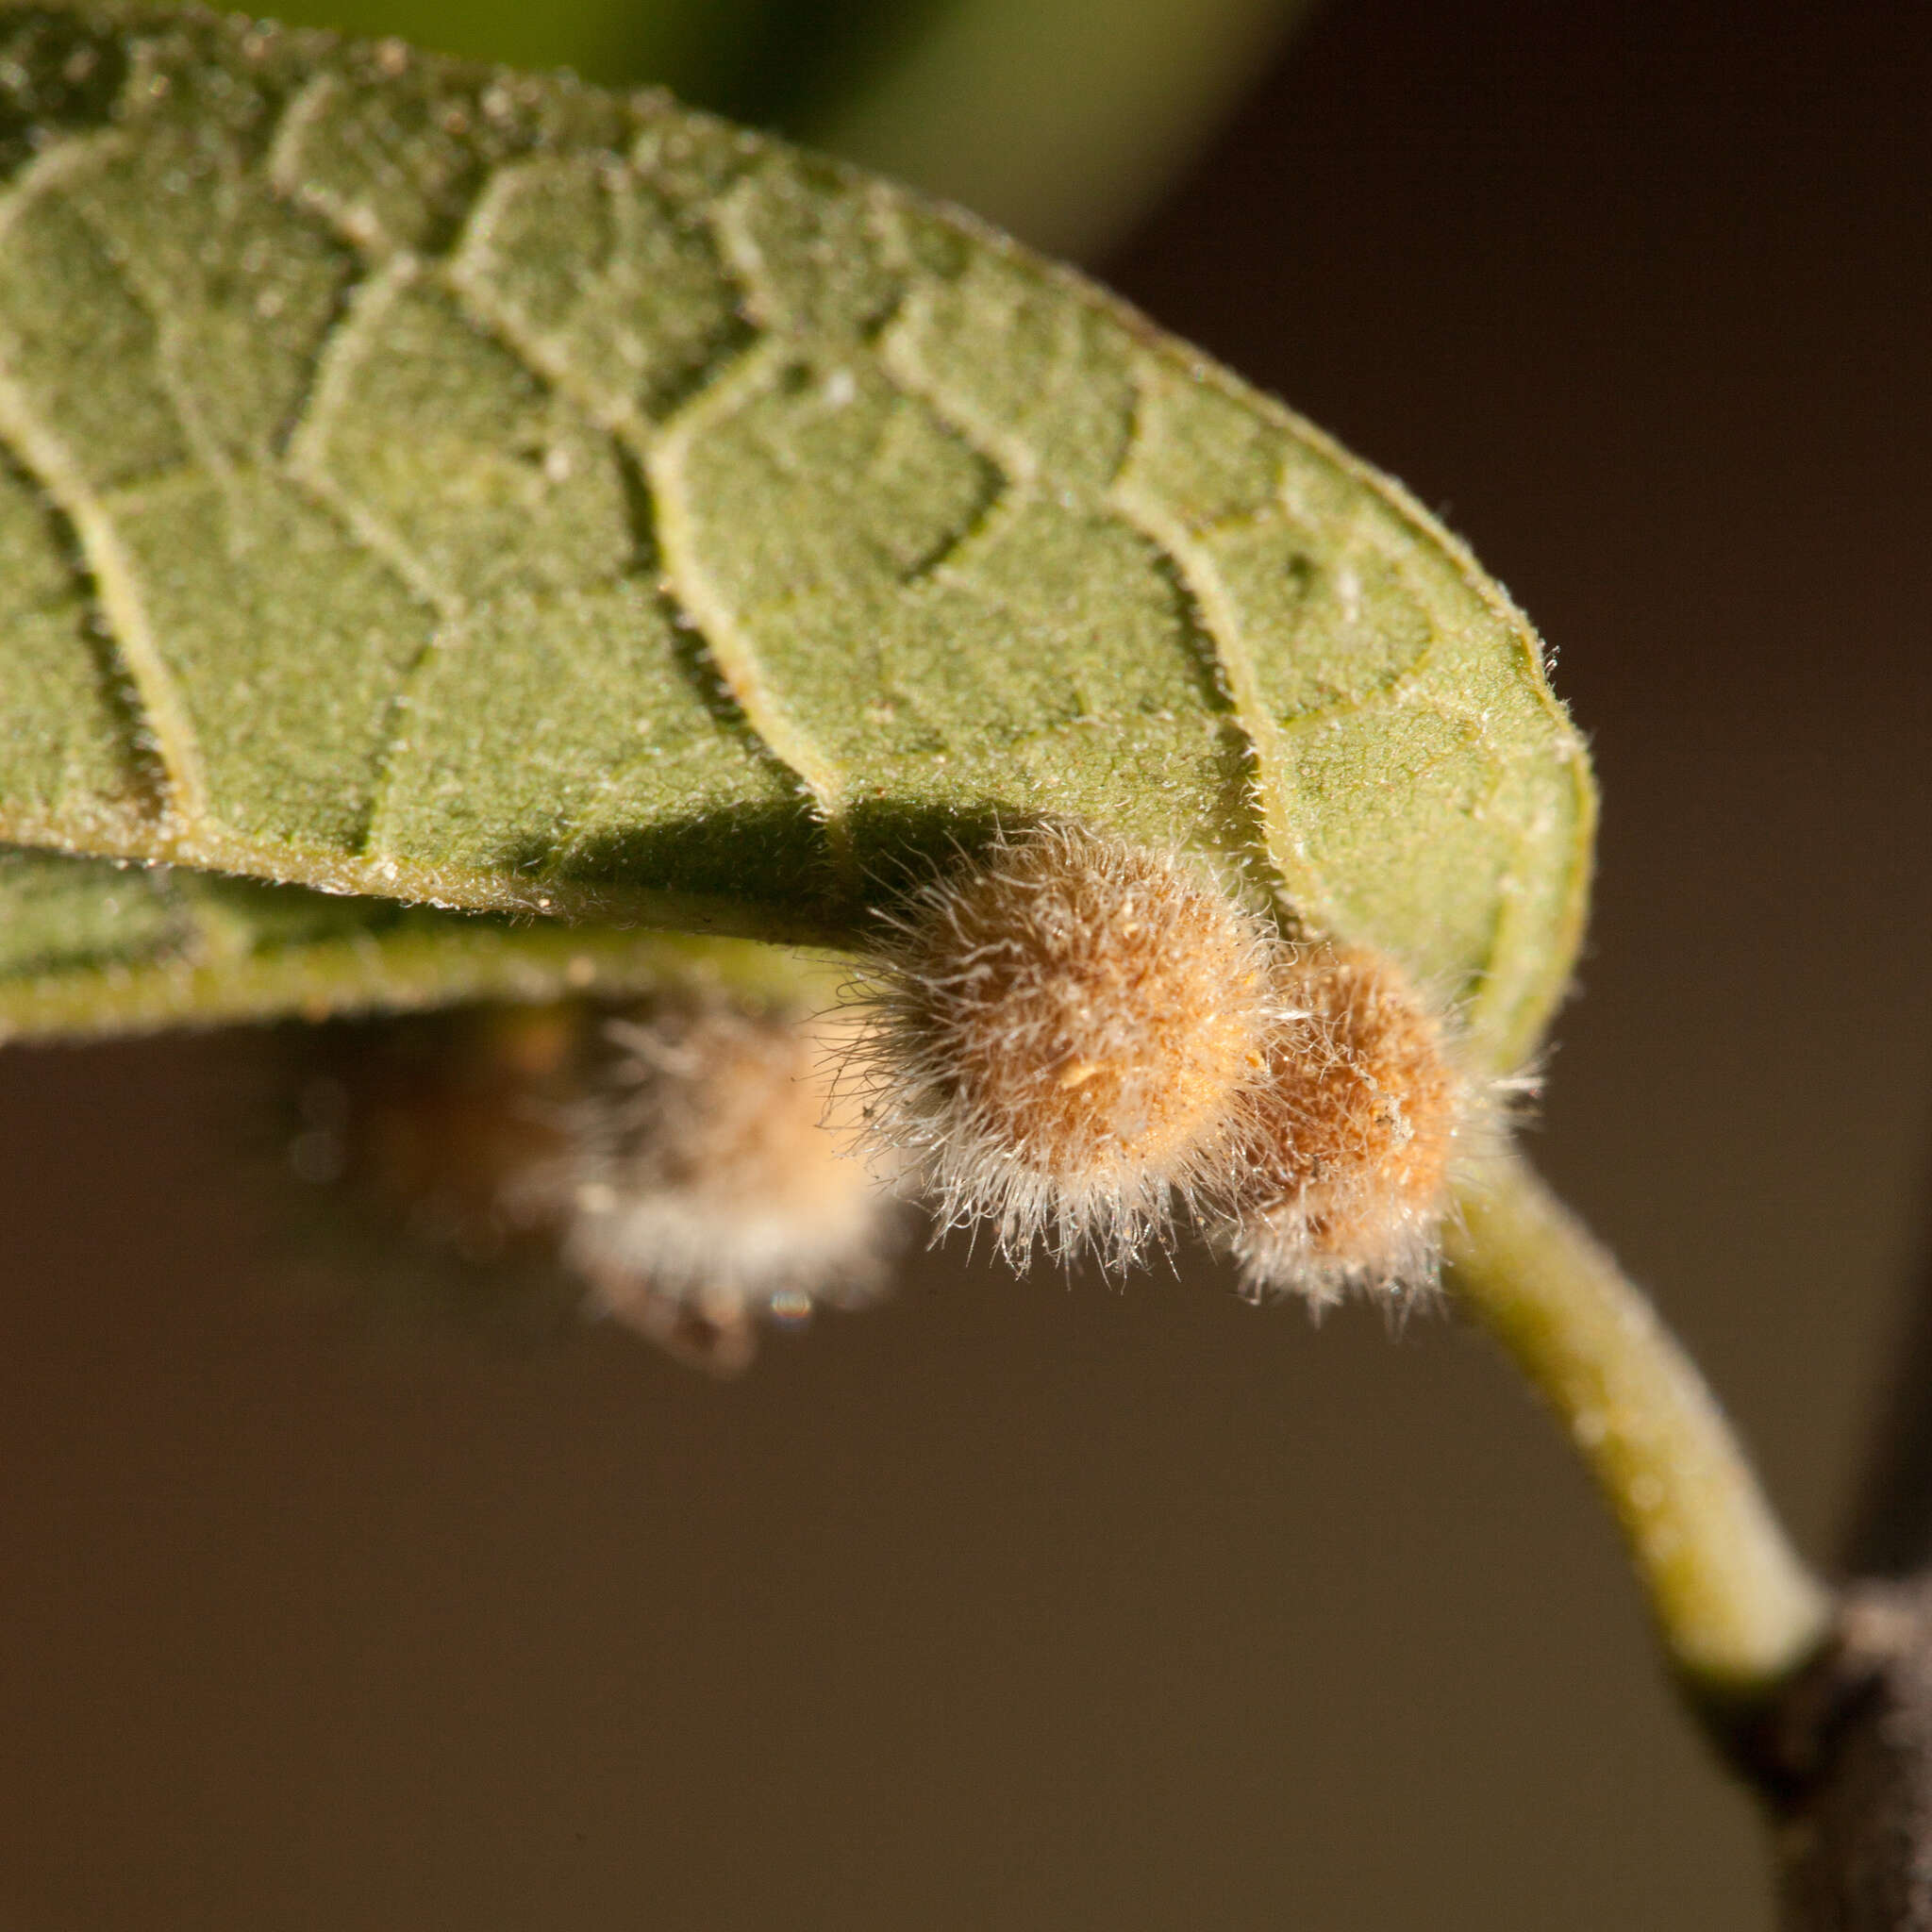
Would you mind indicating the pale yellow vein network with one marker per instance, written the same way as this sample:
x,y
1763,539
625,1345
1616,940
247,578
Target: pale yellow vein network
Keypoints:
x,y
665,458
55,470
661,451
1146,513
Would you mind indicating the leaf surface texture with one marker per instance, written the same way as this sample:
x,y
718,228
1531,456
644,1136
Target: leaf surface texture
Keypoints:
x,y
433,483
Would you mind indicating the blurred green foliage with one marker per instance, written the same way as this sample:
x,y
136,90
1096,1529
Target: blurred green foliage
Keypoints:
x,y
1059,120
771,62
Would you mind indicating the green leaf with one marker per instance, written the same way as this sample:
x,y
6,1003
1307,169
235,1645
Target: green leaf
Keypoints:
x,y
1058,119
681,43
435,484
90,948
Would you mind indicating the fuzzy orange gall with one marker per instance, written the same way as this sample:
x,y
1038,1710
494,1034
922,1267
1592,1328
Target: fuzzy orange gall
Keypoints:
x,y
673,1154
1345,1170
706,1187
1059,1037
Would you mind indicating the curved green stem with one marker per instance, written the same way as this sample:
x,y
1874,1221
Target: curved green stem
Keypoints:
x,y
1737,1609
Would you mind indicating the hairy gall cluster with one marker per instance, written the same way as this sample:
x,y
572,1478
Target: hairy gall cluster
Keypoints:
x,y
673,1154
1067,1040
706,1185
1063,1035
1345,1161
1074,1037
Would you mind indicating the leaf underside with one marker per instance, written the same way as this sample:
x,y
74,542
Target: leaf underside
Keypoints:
x,y
87,948
440,484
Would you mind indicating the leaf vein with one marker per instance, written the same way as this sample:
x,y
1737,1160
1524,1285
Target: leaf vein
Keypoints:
x,y
164,718
305,462
665,460
146,781
1219,627
745,705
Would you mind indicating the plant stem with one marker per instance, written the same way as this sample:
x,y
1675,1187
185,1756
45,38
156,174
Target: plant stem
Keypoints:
x,y
1737,1609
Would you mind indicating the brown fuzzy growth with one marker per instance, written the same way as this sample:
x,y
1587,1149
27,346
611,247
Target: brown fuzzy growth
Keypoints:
x,y
706,1187
1345,1161
675,1156
1061,1038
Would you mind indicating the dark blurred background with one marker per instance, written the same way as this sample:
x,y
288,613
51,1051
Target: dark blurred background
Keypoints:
x,y
1040,1604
